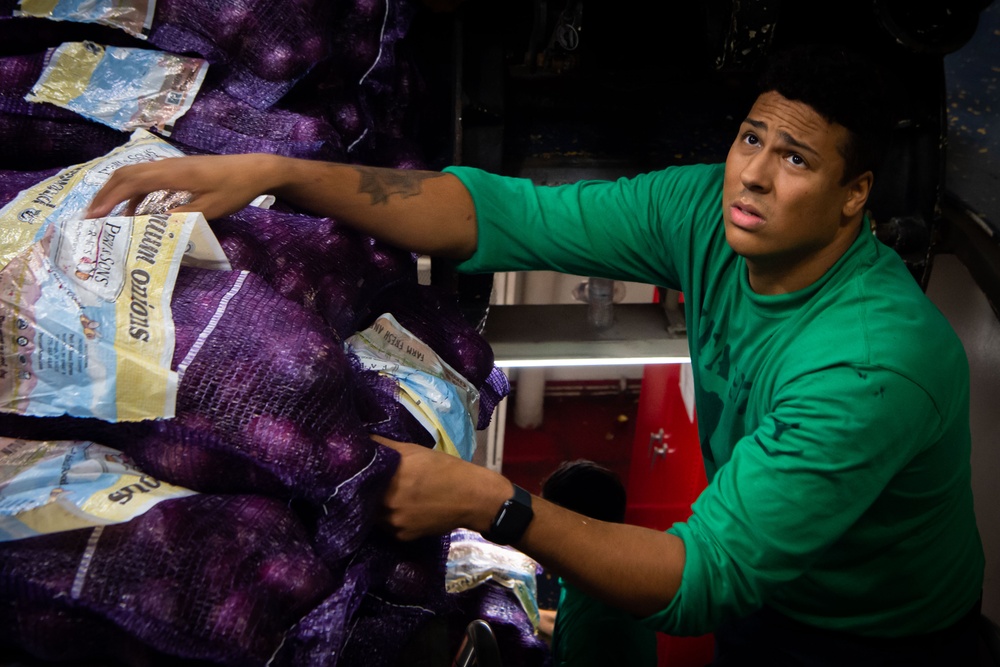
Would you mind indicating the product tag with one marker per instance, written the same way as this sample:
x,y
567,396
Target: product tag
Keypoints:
x,y
473,561
133,16
123,88
443,401
85,322
52,486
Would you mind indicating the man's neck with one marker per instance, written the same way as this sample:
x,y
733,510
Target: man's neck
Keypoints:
x,y
778,277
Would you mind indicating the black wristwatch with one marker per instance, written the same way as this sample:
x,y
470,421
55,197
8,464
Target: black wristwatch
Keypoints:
x,y
513,518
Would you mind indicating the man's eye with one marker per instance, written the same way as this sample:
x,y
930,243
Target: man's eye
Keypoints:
x,y
751,139
796,160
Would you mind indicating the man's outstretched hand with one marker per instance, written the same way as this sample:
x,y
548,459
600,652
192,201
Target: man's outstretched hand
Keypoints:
x,y
219,184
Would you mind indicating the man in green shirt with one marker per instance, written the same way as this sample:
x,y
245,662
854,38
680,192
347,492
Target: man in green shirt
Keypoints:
x,y
832,396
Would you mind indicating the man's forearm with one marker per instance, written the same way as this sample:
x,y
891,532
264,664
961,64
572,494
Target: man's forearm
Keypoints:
x,y
633,568
636,569
424,211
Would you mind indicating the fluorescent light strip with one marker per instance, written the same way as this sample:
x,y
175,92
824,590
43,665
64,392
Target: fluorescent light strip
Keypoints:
x,y
605,361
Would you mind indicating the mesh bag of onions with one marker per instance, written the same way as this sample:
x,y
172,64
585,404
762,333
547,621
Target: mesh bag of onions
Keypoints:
x,y
349,279
265,46
219,123
12,181
268,412
213,578
325,266
268,403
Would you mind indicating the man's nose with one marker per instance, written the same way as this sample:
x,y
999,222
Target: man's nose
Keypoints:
x,y
756,173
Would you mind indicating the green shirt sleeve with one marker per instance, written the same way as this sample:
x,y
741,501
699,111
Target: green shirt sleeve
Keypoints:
x,y
634,229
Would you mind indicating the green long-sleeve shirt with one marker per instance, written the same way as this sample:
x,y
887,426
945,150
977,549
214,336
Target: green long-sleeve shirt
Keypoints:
x,y
834,421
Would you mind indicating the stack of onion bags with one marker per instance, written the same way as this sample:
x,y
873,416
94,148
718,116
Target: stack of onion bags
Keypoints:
x,y
276,559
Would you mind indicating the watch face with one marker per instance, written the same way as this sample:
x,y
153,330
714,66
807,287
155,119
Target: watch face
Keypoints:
x,y
512,519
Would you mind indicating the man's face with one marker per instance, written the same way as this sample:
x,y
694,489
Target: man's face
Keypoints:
x,y
784,207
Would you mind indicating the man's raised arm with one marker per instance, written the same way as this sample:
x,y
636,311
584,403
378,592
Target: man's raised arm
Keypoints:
x,y
423,211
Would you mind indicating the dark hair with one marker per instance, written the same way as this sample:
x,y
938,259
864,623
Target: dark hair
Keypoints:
x,y
588,488
843,87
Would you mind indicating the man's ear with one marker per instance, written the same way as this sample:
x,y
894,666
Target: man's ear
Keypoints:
x,y
858,191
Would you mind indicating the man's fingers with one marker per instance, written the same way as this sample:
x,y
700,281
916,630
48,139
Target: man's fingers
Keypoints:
x,y
130,183
220,185
382,440
115,191
105,200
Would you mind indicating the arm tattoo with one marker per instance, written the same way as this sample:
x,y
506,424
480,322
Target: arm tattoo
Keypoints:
x,y
382,183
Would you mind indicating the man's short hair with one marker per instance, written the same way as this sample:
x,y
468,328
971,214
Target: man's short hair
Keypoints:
x,y
587,488
843,87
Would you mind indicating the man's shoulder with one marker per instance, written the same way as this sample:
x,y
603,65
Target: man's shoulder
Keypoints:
x,y
691,192
880,318
706,173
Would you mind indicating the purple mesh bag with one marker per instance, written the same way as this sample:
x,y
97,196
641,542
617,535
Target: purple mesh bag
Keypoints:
x,y
269,388
18,75
388,417
219,123
327,267
214,578
30,627
32,143
405,593
215,123
317,639
12,181
350,279
267,403
516,638
390,590
372,81
263,46
25,34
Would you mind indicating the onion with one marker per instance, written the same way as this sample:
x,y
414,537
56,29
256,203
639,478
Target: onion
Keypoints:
x,y
292,282
277,439
160,598
278,63
293,580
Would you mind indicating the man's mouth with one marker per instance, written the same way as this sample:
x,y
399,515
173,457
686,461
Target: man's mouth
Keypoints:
x,y
745,216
